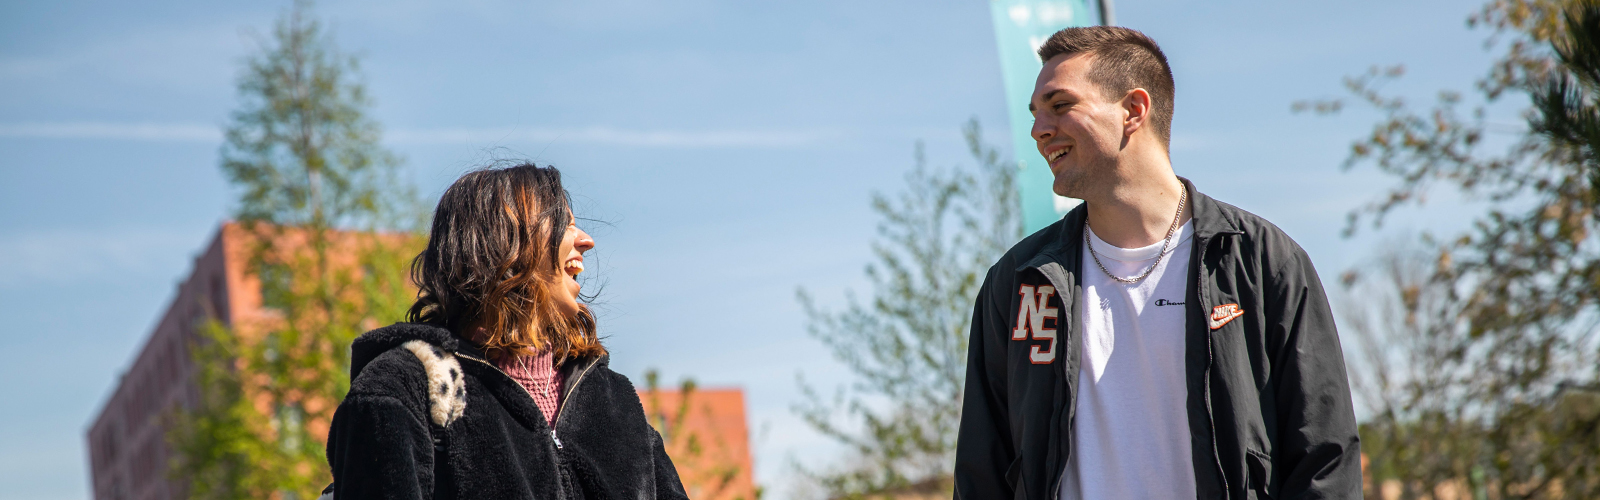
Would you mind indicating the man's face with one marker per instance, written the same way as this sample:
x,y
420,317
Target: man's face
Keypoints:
x,y
1079,131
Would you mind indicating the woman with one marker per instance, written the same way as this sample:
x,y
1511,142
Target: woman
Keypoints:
x,y
498,386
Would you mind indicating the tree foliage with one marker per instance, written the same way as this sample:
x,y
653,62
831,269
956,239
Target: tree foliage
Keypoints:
x,y
301,147
316,190
1481,348
1569,104
907,345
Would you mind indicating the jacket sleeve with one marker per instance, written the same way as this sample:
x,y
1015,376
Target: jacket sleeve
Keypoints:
x,y
668,486
983,443
378,448
1317,453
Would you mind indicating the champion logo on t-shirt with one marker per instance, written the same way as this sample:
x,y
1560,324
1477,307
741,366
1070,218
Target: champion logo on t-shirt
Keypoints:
x,y
1165,302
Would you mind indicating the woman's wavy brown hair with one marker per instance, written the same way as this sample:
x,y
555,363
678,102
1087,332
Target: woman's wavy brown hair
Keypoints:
x,y
492,262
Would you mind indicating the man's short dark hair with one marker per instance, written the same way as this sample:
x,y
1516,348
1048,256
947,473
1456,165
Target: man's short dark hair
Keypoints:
x,y
1124,60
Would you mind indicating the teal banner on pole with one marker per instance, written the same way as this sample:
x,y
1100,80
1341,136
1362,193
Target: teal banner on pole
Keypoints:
x,y
1020,26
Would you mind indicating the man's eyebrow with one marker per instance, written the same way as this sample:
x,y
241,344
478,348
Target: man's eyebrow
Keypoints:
x,y
1045,97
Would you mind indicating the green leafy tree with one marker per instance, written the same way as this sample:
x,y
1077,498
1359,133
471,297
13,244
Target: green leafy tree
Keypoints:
x,y
1480,363
328,226
907,345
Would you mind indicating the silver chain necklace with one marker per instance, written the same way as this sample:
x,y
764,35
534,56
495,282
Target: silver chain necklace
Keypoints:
x,y
1166,244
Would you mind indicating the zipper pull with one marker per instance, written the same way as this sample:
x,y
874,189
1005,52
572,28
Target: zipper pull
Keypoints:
x,y
557,440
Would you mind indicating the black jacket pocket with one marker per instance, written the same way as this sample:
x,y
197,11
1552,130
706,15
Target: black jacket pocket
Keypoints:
x,y
1013,474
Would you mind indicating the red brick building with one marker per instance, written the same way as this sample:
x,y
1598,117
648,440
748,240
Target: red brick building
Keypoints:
x,y
129,457
718,465
128,453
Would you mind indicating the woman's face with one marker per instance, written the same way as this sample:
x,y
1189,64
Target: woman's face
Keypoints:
x,y
573,244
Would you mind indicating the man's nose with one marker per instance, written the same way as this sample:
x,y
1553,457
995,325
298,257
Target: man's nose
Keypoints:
x,y
1042,130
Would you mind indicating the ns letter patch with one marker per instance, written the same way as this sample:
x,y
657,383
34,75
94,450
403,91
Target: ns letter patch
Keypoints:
x,y
1031,316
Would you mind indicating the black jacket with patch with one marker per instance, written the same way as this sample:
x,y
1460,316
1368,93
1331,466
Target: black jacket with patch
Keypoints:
x,y
1269,407
428,417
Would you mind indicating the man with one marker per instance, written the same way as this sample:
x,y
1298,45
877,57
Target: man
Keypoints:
x,y
1154,343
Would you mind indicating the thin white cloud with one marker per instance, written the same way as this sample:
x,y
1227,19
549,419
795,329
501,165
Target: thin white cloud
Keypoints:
x,y
115,131
188,59
66,256
188,132
608,136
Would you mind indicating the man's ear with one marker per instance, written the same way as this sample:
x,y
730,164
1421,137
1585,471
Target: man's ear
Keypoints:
x,y
1136,107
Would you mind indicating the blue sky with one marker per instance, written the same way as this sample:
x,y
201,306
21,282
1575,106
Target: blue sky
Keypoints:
x,y
732,145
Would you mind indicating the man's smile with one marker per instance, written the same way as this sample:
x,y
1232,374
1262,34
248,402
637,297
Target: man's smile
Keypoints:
x,y
1051,157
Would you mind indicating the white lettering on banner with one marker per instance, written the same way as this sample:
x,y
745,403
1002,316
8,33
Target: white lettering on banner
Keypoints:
x,y
1035,309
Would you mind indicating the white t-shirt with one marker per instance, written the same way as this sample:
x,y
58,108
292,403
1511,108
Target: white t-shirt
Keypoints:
x,y
1131,436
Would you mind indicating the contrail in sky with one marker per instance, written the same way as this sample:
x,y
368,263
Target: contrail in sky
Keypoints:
x,y
189,132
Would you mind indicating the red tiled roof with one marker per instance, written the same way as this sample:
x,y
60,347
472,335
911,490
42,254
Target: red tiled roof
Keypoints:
x,y
707,438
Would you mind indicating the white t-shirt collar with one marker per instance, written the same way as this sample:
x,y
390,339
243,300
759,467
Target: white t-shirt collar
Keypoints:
x,y
1141,254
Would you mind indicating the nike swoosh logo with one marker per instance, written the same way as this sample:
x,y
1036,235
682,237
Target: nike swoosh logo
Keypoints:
x,y
1222,314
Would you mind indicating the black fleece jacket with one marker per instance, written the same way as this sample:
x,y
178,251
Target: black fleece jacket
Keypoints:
x,y
1269,409
428,417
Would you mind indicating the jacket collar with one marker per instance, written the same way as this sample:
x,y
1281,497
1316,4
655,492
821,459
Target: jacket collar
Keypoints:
x,y
1209,217
1209,220
374,343
513,395
1061,246
472,350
